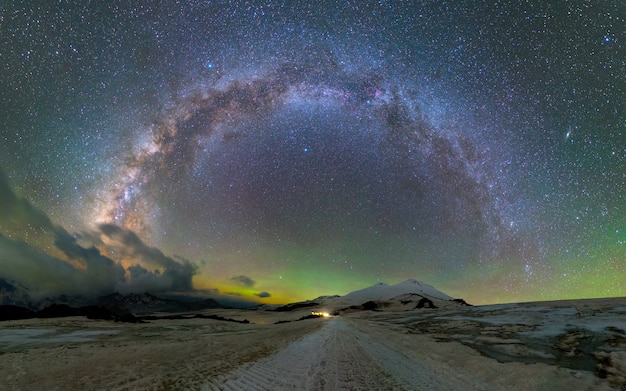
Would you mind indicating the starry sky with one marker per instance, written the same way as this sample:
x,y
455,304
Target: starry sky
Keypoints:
x,y
278,151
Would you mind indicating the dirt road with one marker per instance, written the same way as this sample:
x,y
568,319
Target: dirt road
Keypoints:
x,y
338,356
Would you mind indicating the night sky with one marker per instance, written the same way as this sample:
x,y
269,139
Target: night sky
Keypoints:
x,y
278,151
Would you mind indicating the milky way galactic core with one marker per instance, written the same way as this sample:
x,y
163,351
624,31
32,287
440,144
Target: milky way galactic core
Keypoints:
x,y
276,152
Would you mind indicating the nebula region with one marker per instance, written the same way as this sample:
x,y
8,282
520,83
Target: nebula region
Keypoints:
x,y
277,152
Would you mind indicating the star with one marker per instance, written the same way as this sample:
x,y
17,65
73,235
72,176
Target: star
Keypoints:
x,y
259,141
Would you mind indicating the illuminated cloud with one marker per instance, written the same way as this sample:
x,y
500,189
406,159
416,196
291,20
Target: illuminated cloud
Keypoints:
x,y
177,273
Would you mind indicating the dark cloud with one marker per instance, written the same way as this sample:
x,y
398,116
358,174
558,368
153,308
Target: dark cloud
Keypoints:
x,y
263,294
243,280
86,271
141,279
44,275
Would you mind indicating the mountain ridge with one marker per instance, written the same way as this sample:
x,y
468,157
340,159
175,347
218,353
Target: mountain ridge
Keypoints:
x,y
406,294
383,291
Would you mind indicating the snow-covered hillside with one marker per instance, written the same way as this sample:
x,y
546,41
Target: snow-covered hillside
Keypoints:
x,y
400,297
384,292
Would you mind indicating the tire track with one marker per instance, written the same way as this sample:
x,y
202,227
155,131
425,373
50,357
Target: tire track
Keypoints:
x,y
336,357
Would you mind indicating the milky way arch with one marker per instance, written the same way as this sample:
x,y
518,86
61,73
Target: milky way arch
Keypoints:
x,y
439,174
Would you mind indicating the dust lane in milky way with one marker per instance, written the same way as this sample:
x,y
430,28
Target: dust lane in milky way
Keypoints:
x,y
337,134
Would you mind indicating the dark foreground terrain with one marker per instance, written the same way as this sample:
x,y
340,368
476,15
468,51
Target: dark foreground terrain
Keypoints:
x,y
575,345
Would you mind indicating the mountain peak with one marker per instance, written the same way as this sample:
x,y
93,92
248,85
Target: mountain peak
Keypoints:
x,y
382,291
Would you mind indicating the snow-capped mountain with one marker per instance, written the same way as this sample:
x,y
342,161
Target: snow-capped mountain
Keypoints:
x,y
408,294
382,291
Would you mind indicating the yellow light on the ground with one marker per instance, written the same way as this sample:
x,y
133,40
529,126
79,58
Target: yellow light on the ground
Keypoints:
x,y
322,314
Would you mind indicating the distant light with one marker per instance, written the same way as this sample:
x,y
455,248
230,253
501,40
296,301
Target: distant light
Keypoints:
x,y
322,314
306,149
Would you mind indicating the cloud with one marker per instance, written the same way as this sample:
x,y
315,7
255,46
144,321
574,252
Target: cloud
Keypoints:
x,y
86,271
176,273
243,280
263,294
43,275
40,273
97,265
